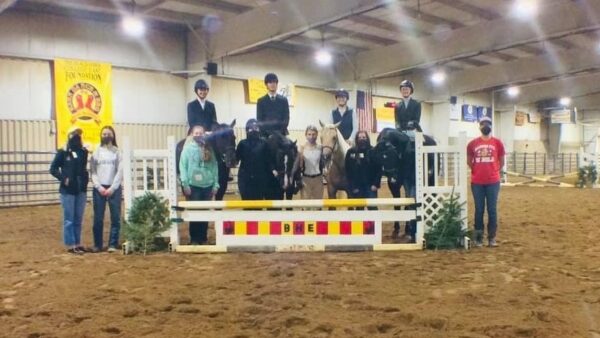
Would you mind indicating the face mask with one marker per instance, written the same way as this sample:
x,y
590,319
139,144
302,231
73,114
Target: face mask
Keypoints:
x,y
363,143
253,134
199,139
312,140
486,130
75,142
107,140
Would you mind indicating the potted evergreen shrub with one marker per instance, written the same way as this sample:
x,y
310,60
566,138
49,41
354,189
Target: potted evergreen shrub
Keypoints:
x,y
447,231
148,217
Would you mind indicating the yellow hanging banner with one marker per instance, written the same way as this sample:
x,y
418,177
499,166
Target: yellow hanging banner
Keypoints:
x,y
256,90
83,96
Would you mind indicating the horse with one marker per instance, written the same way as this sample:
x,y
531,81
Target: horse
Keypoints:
x,y
395,153
286,163
333,156
222,140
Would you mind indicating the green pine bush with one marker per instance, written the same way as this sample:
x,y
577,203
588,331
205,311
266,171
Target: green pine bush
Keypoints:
x,y
147,219
447,231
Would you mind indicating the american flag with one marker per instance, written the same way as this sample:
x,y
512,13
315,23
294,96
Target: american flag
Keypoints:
x,y
364,110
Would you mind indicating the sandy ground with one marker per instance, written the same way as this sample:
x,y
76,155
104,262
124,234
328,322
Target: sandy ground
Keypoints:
x,y
543,281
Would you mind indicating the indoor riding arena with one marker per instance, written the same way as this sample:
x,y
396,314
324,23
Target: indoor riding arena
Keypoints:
x,y
279,168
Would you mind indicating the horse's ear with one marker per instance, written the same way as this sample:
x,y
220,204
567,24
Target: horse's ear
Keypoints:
x,y
321,123
337,124
295,141
232,123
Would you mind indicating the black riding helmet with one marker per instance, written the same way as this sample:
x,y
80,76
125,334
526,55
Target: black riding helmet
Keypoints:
x,y
251,123
409,84
271,77
200,84
342,93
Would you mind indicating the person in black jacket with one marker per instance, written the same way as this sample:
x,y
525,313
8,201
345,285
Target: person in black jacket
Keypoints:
x,y
255,174
272,110
201,111
408,109
362,172
70,168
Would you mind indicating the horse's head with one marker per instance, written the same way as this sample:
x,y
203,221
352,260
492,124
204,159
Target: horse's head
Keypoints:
x,y
388,152
222,139
330,142
286,153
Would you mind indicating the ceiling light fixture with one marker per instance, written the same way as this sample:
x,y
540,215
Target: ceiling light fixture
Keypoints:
x,y
132,24
513,91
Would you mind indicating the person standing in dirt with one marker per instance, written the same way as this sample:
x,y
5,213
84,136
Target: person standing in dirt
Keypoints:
x,y
70,169
106,167
485,157
199,176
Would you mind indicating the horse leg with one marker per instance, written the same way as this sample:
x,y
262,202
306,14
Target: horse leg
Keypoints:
x,y
395,190
223,181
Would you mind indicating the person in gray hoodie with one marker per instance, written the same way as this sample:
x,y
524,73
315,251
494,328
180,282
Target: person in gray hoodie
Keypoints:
x,y
107,174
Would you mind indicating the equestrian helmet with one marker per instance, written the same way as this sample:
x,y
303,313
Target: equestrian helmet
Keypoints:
x,y
342,93
409,84
251,123
200,84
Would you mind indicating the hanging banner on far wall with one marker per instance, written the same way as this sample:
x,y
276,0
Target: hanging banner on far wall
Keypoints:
x,y
469,113
83,96
519,118
534,117
385,118
562,116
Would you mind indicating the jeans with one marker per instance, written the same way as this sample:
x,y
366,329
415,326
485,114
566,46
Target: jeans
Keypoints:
x,y
114,205
485,195
198,230
73,209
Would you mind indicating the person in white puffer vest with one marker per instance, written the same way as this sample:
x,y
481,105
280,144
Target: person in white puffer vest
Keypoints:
x,y
106,167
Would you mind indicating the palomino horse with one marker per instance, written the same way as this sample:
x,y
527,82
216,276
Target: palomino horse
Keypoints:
x,y
334,155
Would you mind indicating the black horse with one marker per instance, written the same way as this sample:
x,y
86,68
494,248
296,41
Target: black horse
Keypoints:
x,y
395,152
222,141
286,163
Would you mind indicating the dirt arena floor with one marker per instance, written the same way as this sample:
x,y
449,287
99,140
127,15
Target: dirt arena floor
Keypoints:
x,y
543,281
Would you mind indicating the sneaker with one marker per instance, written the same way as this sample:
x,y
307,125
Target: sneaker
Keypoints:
x,y
477,243
95,250
75,251
112,249
81,248
395,234
493,243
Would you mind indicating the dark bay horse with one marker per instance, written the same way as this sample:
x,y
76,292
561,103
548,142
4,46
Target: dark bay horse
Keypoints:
x,y
222,141
395,152
286,163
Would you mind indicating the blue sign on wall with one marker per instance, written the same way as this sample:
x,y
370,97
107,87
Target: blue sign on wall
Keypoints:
x,y
469,113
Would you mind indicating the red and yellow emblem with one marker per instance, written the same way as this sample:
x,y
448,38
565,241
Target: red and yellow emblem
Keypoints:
x,y
84,102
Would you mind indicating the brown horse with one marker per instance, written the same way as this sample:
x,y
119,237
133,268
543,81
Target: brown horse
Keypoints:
x,y
333,156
